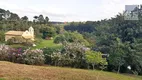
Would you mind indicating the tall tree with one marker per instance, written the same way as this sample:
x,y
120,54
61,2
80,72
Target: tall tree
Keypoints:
x,y
24,18
6,15
46,19
95,58
41,18
117,55
35,19
14,17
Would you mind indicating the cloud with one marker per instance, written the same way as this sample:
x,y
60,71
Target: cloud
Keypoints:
x,y
54,13
73,12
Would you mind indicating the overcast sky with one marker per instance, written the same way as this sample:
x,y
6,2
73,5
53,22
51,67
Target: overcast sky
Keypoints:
x,y
68,10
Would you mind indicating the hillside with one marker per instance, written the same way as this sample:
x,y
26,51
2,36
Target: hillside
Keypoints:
x,y
12,71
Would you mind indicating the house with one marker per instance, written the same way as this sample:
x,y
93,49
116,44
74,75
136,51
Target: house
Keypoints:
x,y
28,34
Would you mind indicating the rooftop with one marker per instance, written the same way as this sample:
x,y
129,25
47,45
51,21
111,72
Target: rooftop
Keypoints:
x,y
16,33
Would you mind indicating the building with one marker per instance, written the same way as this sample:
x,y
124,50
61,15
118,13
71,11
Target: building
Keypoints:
x,y
28,34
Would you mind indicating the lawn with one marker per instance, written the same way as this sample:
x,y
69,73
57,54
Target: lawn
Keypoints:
x,y
12,71
40,43
46,43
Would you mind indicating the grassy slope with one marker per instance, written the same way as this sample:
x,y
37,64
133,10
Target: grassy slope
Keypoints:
x,y
46,43
41,44
12,71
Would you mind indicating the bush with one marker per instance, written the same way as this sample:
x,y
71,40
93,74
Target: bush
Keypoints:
x,y
10,41
47,53
72,55
58,40
71,37
48,31
15,55
4,52
17,39
10,54
28,43
2,36
33,57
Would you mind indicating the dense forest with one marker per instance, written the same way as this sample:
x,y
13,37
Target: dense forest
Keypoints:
x,y
118,39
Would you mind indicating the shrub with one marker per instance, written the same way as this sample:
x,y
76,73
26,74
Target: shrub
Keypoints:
x,y
71,37
2,36
72,55
20,40
10,41
33,57
15,55
28,43
47,53
95,58
4,52
10,54
17,39
58,40
48,31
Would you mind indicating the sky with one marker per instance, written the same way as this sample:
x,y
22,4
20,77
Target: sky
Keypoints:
x,y
68,10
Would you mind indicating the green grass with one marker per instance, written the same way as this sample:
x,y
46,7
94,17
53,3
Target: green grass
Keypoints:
x,y
2,79
40,43
17,45
13,71
46,43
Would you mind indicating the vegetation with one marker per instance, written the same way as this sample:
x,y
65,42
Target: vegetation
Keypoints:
x,y
95,58
33,57
115,37
81,43
41,43
2,36
71,37
48,32
71,55
25,72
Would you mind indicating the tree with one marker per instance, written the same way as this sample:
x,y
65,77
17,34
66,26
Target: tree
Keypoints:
x,y
71,37
48,31
46,19
72,54
25,18
35,19
95,58
117,56
134,55
2,36
41,18
6,15
14,17
1,16
60,29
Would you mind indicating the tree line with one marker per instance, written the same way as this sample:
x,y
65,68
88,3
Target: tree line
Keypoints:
x,y
11,21
120,39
